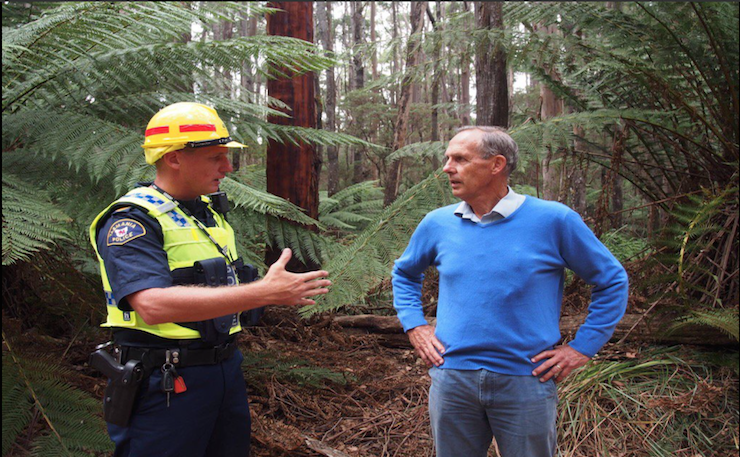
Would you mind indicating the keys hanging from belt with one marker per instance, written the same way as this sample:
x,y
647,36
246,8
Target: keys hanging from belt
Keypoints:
x,y
171,381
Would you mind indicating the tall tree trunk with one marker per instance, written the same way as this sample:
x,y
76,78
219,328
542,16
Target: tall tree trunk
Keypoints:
x,y
324,20
436,79
492,88
551,106
577,173
247,27
395,64
465,83
373,38
359,171
399,135
619,140
293,170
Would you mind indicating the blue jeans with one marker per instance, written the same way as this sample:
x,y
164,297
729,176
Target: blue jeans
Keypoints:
x,y
469,407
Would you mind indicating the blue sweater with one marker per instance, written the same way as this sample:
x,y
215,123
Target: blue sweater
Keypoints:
x,y
501,285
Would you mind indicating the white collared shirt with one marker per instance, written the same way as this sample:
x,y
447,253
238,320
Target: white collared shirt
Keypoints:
x,y
504,208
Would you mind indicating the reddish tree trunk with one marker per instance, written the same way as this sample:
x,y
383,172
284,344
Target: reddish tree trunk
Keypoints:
x,y
293,170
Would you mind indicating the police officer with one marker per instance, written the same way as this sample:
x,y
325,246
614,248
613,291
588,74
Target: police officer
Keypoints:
x,y
161,247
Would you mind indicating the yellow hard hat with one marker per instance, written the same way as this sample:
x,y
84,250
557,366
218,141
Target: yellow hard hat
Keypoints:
x,y
183,125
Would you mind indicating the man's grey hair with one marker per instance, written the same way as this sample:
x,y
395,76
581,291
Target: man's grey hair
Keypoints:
x,y
495,141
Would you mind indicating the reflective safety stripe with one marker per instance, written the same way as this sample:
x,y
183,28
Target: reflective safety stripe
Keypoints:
x,y
197,128
157,130
163,206
179,220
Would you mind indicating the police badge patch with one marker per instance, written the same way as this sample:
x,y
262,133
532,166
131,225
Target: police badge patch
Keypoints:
x,y
123,231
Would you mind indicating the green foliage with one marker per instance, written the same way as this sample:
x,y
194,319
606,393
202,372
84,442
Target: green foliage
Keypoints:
x,y
427,149
725,320
623,246
30,220
634,61
261,366
356,268
72,426
705,228
351,208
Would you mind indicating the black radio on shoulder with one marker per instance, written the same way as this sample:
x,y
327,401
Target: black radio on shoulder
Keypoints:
x,y
219,202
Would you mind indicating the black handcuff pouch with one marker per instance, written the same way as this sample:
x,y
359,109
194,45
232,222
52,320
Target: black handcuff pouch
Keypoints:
x,y
248,273
214,273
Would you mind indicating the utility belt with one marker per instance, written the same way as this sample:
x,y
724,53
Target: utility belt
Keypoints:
x,y
181,357
130,366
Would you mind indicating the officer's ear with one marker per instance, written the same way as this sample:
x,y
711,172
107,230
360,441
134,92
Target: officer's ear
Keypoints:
x,y
171,160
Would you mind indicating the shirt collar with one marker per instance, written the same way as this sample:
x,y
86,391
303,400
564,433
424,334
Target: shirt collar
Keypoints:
x,y
505,207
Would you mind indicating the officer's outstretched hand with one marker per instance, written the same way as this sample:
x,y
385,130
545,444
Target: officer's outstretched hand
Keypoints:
x,y
286,288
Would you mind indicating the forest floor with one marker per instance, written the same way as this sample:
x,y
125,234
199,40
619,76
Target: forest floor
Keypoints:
x,y
316,390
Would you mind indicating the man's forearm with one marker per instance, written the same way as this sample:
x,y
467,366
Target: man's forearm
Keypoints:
x,y
196,303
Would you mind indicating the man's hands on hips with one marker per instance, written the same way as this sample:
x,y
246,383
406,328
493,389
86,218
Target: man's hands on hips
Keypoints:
x,y
286,288
427,346
562,361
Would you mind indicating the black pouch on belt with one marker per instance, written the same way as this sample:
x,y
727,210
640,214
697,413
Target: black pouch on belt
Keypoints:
x,y
213,272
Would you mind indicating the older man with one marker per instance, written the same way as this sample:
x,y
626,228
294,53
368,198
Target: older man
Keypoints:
x,y
501,259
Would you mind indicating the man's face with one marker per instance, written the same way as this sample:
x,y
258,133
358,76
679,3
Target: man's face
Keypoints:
x,y
202,169
470,174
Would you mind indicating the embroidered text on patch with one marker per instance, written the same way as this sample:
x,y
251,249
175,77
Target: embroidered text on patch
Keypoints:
x,y
123,231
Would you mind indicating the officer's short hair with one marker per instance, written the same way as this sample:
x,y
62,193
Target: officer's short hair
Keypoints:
x,y
495,141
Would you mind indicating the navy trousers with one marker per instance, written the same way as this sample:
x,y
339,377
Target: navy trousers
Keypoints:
x,y
211,418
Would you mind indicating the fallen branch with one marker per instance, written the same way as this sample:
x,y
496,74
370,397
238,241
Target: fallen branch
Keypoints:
x,y
323,449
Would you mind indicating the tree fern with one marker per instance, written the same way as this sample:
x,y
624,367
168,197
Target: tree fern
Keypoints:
x,y
725,320
354,269
30,220
351,207
73,426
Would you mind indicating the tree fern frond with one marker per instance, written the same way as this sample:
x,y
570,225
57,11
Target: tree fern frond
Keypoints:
x,y
351,206
292,134
30,221
425,149
725,320
262,202
15,418
74,416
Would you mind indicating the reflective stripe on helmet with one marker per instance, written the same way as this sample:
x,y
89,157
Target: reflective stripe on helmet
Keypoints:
x,y
198,128
157,130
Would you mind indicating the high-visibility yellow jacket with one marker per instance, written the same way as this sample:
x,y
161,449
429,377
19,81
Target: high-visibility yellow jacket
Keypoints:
x,y
185,244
